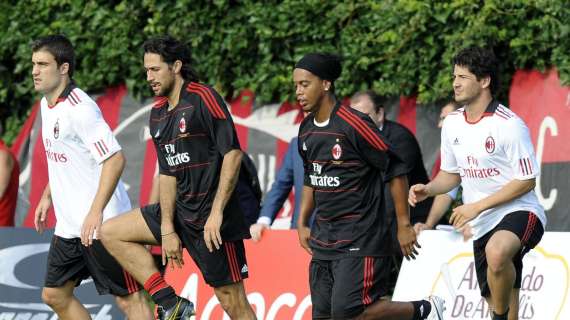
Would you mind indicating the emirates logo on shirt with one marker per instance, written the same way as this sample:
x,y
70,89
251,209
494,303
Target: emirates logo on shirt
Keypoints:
x,y
490,144
56,129
336,151
182,124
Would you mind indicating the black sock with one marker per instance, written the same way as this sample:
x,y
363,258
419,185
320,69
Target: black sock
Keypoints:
x,y
503,316
421,309
161,293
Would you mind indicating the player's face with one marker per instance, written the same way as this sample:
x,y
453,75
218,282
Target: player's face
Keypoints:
x,y
363,104
309,89
45,72
159,74
466,87
447,109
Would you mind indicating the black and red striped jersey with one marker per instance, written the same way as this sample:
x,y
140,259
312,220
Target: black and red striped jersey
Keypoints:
x,y
346,162
191,141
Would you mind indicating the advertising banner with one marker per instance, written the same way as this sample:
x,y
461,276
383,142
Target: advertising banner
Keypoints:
x,y
278,284
445,267
23,258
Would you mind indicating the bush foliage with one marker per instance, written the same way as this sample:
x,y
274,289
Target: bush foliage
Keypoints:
x,y
395,47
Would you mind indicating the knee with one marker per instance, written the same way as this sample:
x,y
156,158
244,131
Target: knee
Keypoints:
x,y
132,301
106,233
498,257
226,298
55,298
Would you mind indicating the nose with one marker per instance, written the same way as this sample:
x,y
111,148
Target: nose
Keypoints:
x,y
149,76
298,90
35,70
455,83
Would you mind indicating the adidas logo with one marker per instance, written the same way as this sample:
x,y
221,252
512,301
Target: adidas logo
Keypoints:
x,y
157,133
244,268
304,147
456,142
421,311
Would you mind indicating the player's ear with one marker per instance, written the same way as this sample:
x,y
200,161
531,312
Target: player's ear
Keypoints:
x,y
64,68
177,66
486,82
327,85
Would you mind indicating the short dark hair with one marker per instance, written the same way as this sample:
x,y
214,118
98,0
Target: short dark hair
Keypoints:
x,y
481,62
60,48
378,101
171,50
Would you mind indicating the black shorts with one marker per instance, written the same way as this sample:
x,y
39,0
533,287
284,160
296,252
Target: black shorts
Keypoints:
x,y
219,268
342,288
69,260
528,229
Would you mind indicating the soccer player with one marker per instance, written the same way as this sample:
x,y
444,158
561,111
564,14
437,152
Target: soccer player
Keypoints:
x,y
199,160
84,167
345,161
487,148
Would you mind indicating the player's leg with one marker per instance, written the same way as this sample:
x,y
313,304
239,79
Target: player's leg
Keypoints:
x,y
500,250
233,300
321,285
359,284
224,270
65,269
513,237
64,303
514,304
125,236
134,306
111,278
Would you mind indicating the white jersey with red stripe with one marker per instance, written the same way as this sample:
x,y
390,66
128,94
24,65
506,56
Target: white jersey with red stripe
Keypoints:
x,y
77,140
488,154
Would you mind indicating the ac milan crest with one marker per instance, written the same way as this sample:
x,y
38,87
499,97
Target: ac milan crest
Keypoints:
x,y
182,124
336,151
490,144
56,129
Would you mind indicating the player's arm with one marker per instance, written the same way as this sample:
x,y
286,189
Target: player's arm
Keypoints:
x,y
42,208
111,171
7,164
229,175
171,244
406,235
442,183
507,193
305,212
439,207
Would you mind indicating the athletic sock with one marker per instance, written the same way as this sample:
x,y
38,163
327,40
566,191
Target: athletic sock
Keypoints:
x,y
161,293
503,316
422,309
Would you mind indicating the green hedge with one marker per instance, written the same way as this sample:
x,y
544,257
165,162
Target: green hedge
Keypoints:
x,y
396,47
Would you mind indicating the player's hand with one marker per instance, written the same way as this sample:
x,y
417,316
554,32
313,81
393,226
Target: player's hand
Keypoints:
x,y
419,227
418,193
256,230
466,231
212,235
463,214
40,216
172,250
91,226
304,236
408,241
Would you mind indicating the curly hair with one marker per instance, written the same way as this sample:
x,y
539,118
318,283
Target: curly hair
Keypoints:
x,y
171,50
481,62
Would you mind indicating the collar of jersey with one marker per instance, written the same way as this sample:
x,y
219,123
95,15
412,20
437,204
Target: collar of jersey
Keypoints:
x,y
64,94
